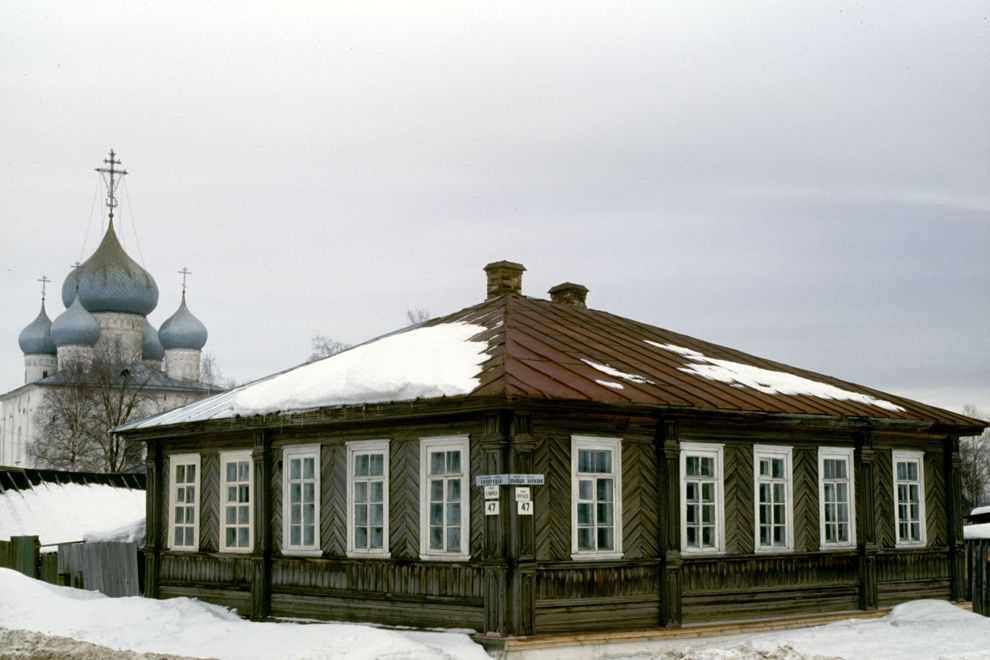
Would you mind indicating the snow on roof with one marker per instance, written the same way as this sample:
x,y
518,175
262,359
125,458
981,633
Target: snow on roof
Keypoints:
x,y
426,361
131,532
612,371
766,380
60,513
980,509
977,531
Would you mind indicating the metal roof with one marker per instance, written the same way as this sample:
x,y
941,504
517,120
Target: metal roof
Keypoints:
x,y
553,351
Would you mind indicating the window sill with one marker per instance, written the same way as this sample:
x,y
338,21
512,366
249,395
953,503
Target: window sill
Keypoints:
x,y
292,552
837,548
707,552
369,555
596,556
773,551
444,557
236,551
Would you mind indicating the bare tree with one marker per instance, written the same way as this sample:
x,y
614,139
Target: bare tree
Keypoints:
x,y
322,346
76,419
975,454
209,372
417,315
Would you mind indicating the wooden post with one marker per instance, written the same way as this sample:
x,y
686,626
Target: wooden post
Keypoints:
x,y
522,531
953,512
25,554
494,448
866,528
154,495
261,556
668,456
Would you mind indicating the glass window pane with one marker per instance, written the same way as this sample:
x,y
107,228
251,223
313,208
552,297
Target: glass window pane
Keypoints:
x,y
231,537
604,512
309,512
309,469
231,471
361,537
585,536
309,535
584,460
378,491
243,494
436,490
707,467
377,514
605,490
309,491
436,463
231,515
603,461
436,514
436,538
454,489
295,469
361,515
360,492
453,462
377,538
361,465
244,469
605,538
454,539
584,489
295,535
377,467
180,474
243,513
242,537
691,466
453,514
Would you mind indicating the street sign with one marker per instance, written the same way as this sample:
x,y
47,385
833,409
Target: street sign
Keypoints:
x,y
491,492
508,480
491,508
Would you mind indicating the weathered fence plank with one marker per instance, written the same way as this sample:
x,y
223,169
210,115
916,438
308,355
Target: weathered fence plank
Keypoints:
x,y
108,567
24,552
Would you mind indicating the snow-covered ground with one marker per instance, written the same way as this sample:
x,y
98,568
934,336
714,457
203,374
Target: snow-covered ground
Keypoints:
x,y
72,621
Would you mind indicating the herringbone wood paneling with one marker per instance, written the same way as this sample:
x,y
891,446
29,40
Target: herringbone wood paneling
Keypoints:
x,y
738,462
475,501
209,502
639,500
883,498
806,528
553,504
404,499
333,505
277,500
935,498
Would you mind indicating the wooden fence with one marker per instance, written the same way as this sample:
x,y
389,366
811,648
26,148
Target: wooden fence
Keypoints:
x,y
109,567
978,569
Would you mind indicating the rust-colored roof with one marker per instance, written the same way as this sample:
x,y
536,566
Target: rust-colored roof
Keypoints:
x,y
554,351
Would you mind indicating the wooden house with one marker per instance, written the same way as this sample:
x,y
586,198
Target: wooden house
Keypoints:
x,y
636,478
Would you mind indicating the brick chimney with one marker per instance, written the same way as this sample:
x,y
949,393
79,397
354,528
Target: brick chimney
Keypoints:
x,y
569,293
504,277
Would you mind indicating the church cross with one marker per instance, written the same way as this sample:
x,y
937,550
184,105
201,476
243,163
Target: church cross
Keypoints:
x,y
185,271
112,187
44,281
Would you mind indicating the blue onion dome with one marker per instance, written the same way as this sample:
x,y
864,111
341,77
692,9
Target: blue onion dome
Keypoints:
x,y
110,281
151,346
75,327
36,338
182,329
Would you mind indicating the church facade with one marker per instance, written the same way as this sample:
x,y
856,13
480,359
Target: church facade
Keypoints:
x,y
107,300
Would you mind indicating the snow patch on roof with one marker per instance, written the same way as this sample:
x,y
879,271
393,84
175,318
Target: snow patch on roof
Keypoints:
x,y
608,383
977,531
766,380
980,509
423,362
612,371
132,532
60,513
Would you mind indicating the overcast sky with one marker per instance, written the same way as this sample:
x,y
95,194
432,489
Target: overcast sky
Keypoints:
x,y
805,181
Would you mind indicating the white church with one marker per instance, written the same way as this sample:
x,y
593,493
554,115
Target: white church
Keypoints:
x,y
107,301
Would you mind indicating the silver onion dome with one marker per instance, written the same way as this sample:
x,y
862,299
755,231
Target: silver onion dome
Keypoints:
x,y
151,346
36,338
182,329
75,327
110,281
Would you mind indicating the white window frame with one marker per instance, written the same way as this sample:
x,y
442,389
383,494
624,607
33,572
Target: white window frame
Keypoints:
x,y
786,454
185,460
614,446
845,453
302,549
359,448
445,443
704,450
918,457
236,457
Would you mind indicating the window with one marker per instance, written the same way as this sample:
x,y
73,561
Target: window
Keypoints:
x,y
184,502
909,497
301,500
367,498
236,507
596,498
444,515
772,496
702,512
836,494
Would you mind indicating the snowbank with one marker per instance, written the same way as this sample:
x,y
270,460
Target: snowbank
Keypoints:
x,y
432,361
59,513
188,627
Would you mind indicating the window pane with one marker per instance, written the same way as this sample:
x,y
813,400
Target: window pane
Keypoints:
x,y
436,462
454,489
231,515
377,467
360,492
309,490
377,538
584,460
377,514
295,535
585,539
295,469
245,471
604,538
309,512
361,537
454,539
180,474
453,514
309,535
361,465
242,518
242,537
436,490
584,489
584,514
453,462
231,537
231,471
308,468
605,490
691,466
604,514
436,538
377,491
436,514
603,461
361,515
707,467
243,494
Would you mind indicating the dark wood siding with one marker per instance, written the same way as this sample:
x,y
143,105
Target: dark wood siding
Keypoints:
x,y
209,501
591,597
738,464
727,588
911,574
